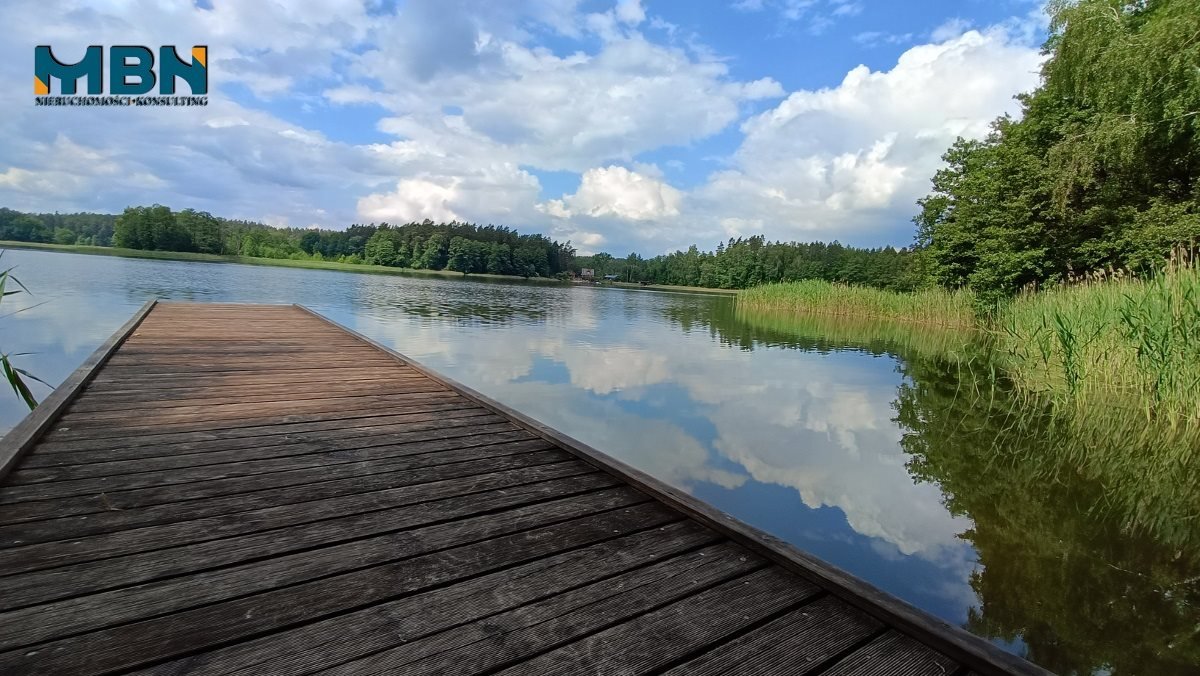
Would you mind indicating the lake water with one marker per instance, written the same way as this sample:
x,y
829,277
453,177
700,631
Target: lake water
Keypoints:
x,y
863,450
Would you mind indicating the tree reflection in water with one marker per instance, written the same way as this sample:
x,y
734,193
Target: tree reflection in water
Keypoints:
x,y
1086,523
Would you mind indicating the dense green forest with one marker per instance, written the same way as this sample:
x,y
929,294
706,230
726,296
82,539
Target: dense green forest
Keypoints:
x,y
460,247
746,262
1100,171
81,228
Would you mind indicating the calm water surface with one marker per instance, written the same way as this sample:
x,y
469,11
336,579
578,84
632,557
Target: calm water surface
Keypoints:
x,y
860,451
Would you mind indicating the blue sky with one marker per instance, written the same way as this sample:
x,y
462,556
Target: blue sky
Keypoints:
x,y
623,125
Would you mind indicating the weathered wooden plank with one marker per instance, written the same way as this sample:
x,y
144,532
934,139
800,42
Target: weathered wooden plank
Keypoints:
x,y
382,456
327,642
111,400
260,348
196,377
326,435
218,362
531,629
156,458
803,641
97,547
894,654
138,643
122,517
27,626
232,410
219,397
144,357
263,431
201,339
149,384
658,638
109,422
140,354
250,461
217,368
21,438
266,347
19,590
94,431
215,306
132,370
400,443
96,434
192,492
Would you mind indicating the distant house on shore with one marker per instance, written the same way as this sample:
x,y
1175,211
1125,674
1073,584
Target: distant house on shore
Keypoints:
x,y
611,278
587,273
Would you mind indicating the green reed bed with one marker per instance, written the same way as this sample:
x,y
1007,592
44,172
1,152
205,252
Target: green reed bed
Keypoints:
x,y
832,331
937,307
1111,340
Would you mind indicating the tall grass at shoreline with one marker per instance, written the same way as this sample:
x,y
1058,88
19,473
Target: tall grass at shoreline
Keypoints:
x,y
834,331
1000,392
930,306
1109,339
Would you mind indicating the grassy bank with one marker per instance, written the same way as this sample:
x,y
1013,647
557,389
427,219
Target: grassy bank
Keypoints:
x,y
1108,340
933,306
247,260
1111,338
829,331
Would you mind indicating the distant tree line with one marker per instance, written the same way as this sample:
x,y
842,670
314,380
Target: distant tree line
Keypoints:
x,y
466,248
745,262
460,247
81,228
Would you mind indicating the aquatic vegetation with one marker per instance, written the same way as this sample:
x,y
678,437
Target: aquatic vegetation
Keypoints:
x,y
831,332
12,374
1109,340
935,306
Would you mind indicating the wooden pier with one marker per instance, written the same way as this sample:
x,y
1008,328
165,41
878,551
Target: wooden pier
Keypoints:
x,y
253,489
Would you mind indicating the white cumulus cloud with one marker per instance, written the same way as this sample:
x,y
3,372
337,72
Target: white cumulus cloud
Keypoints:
x,y
617,191
849,161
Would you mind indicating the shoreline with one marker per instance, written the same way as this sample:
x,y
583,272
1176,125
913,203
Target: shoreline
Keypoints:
x,y
335,266
190,257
